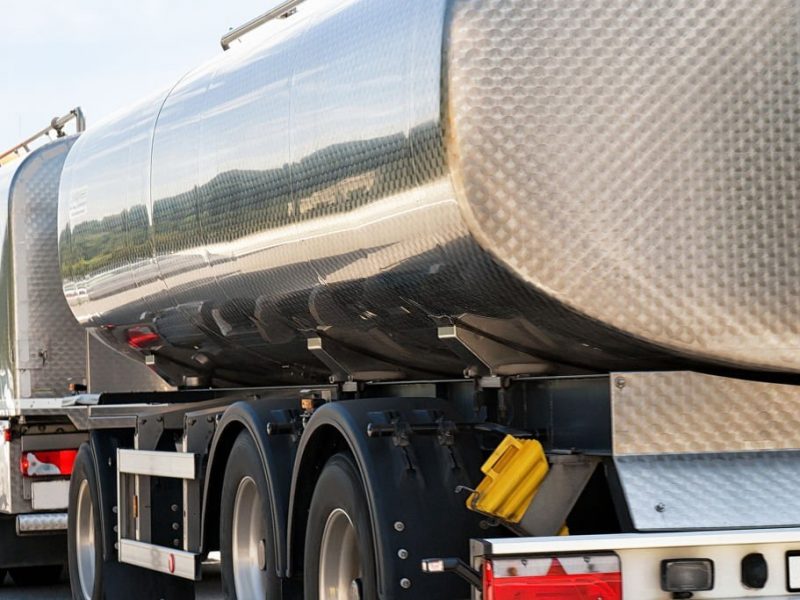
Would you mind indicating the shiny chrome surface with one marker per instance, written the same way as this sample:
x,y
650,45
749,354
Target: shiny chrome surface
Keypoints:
x,y
41,523
42,347
84,538
249,542
371,171
339,561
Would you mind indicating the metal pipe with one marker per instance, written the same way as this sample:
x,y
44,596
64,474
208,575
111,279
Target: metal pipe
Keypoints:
x,y
283,10
57,124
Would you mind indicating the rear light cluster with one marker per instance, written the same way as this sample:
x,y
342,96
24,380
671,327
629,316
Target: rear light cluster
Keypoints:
x,y
142,337
586,577
47,462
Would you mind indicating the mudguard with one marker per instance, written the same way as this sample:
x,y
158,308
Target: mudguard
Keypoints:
x,y
277,453
410,469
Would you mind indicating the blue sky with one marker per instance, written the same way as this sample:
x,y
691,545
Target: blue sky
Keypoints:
x,y
101,54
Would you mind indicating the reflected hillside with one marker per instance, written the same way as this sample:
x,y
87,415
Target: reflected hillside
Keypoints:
x,y
238,203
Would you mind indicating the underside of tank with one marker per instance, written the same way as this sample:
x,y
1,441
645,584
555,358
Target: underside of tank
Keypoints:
x,y
386,190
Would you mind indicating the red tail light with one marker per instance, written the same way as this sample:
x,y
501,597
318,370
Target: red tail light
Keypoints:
x,y
591,577
142,337
47,462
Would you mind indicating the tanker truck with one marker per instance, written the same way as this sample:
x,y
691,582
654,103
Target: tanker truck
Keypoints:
x,y
451,299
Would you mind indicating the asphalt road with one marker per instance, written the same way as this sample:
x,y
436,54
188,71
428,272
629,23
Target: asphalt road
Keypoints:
x,y
208,589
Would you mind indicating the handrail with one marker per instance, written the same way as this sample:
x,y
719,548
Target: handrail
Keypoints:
x,y
282,11
57,125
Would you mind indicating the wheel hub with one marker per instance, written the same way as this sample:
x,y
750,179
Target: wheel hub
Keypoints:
x,y
249,547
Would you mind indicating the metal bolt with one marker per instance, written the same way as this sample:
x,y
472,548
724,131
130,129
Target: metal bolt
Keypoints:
x,y
402,554
399,526
114,509
175,527
405,583
176,542
660,507
619,382
109,461
174,508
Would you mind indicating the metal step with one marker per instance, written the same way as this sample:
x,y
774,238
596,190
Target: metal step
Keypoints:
x,y
160,558
177,465
41,523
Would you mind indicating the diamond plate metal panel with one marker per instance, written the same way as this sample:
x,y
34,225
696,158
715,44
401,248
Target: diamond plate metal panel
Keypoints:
x,y
49,343
638,161
43,345
685,412
41,522
712,491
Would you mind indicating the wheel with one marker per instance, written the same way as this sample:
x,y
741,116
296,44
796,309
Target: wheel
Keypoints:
x,y
339,551
83,535
43,575
246,531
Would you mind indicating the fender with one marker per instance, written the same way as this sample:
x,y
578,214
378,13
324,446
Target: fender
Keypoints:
x,y
409,487
277,454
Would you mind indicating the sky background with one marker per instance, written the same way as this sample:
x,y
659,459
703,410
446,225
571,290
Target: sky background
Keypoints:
x,y
101,55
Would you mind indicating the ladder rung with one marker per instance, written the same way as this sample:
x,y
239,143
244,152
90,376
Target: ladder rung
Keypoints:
x,y
160,558
178,465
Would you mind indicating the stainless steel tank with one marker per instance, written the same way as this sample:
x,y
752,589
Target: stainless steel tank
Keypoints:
x,y
43,349
398,189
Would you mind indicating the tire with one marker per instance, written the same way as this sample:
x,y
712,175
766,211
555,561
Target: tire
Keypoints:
x,y
339,547
247,538
43,575
86,557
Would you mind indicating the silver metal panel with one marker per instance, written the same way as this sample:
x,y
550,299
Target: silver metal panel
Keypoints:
x,y
108,370
607,187
158,558
50,495
641,555
685,412
638,162
632,541
43,348
712,491
180,465
41,523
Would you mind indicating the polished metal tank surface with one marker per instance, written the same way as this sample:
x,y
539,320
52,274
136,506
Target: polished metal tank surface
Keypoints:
x,y
584,184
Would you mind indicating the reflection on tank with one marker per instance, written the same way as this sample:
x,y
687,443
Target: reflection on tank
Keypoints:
x,y
329,182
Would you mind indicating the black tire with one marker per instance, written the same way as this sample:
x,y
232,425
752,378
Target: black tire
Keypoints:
x,y
83,470
339,487
244,462
43,575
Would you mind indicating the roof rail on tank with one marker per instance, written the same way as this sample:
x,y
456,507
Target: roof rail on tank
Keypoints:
x,y
282,11
57,125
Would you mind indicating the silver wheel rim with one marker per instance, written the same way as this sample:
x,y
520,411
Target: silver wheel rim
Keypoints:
x,y
84,539
339,562
249,542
